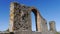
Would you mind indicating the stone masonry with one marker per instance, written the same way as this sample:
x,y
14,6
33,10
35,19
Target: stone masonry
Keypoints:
x,y
19,18
20,21
52,26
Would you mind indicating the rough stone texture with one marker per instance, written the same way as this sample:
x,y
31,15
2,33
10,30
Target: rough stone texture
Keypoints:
x,y
20,20
11,17
44,25
23,32
52,26
22,17
28,32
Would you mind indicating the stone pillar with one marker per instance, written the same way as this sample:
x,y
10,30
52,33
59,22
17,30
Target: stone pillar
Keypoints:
x,y
52,26
38,24
41,24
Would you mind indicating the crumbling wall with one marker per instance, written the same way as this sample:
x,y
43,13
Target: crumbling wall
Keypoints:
x,y
52,26
20,21
21,18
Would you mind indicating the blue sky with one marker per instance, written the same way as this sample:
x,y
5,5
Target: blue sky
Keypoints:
x,y
49,9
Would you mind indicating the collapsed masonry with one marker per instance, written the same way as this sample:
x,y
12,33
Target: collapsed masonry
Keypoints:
x,y
20,20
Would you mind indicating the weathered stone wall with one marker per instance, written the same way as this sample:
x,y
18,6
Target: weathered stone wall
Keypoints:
x,y
27,32
52,26
11,17
44,25
21,17
20,21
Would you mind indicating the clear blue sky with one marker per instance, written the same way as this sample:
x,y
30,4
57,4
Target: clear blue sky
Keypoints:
x,y
49,9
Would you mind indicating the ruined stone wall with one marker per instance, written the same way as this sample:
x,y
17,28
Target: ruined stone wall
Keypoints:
x,y
37,19
44,25
22,17
19,17
28,32
52,26
11,17
20,21
41,23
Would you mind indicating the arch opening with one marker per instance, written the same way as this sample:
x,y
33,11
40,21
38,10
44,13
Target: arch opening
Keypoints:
x,y
37,19
33,21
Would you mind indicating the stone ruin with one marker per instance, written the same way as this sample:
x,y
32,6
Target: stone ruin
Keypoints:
x,y
20,21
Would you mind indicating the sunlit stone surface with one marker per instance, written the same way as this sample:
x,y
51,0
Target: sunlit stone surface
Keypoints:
x,y
20,21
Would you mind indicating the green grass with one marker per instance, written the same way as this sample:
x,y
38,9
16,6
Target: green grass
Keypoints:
x,y
57,33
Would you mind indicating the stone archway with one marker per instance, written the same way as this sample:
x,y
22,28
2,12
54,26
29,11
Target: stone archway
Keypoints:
x,y
20,16
37,18
41,23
